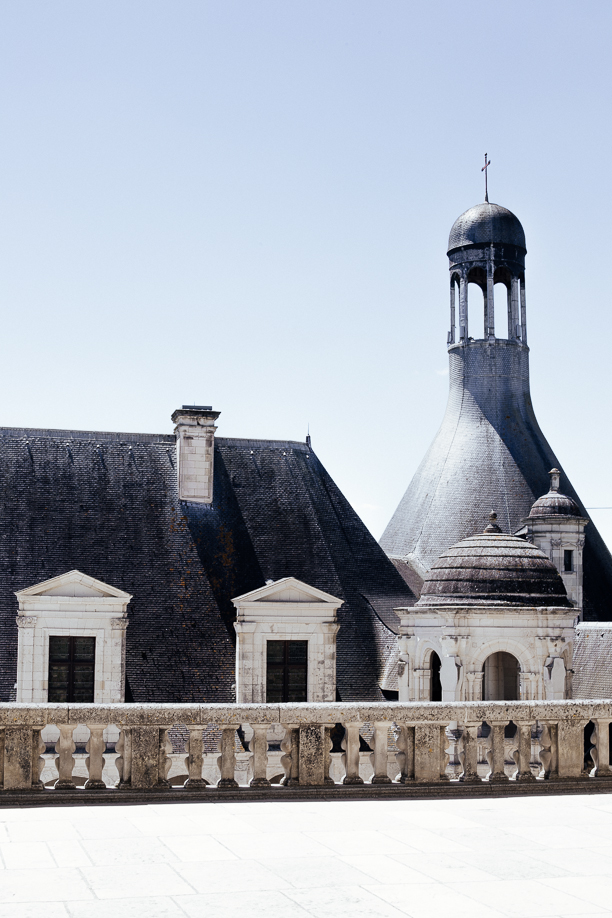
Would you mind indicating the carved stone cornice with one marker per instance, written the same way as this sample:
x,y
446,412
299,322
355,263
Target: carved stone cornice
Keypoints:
x,y
26,621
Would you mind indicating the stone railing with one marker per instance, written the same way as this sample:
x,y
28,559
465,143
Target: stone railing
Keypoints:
x,y
300,746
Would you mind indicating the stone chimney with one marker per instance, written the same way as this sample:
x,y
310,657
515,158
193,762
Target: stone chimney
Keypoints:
x,y
195,447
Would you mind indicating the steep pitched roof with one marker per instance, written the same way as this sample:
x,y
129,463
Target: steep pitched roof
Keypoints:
x,y
276,507
107,504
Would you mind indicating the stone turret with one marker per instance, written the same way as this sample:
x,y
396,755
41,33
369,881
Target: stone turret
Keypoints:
x,y
494,618
556,525
489,451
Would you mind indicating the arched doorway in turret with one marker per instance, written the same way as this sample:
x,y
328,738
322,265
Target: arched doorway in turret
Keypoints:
x,y
501,677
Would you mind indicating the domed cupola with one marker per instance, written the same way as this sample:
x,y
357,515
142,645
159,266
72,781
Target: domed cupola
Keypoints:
x,y
554,503
486,246
556,525
494,568
486,224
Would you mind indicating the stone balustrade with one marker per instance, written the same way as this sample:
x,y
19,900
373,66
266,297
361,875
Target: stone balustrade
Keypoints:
x,y
410,745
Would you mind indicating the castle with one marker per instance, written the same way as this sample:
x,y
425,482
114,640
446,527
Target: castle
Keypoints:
x,y
190,567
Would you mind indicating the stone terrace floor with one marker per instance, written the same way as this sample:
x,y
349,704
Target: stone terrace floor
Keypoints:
x,y
527,856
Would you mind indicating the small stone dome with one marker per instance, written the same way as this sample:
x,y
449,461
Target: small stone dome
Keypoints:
x,y
494,568
485,224
554,503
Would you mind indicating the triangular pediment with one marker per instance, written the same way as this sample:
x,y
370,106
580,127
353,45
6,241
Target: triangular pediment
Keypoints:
x,y
73,584
290,590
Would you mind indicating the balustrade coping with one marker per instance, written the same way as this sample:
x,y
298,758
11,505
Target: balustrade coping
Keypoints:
x,y
44,714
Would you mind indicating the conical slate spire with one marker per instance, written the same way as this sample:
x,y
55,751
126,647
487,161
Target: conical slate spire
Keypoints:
x,y
489,451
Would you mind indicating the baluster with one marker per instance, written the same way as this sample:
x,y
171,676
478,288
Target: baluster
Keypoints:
x,y
165,748
123,762
546,750
469,754
95,761
259,747
64,762
523,754
444,757
380,757
496,752
601,753
405,757
194,760
227,759
38,763
328,746
350,744
290,760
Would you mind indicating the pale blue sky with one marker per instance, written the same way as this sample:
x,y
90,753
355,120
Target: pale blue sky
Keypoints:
x,y
246,204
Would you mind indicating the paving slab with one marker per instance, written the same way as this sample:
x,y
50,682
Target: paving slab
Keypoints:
x,y
536,857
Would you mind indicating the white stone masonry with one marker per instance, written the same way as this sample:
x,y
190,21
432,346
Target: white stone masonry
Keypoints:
x,y
195,443
72,604
286,610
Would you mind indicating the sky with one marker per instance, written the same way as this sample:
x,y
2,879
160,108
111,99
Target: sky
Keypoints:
x,y
246,205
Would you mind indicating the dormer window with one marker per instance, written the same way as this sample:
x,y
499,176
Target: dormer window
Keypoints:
x,y
286,643
71,641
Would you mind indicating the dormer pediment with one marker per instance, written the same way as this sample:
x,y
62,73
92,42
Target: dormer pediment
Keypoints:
x,y
288,590
73,588
288,599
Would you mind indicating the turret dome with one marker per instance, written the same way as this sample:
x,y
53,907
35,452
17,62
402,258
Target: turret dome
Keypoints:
x,y
554,503
486,224
494,568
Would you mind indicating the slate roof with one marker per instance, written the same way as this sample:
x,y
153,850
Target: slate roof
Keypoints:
x,y
489,454
107,504
593,661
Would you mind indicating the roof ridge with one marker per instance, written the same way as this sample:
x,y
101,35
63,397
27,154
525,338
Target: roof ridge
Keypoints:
x,y
274,444
18,432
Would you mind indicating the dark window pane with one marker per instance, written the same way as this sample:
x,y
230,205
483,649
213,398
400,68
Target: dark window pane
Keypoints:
x,y
274,686
286,678
276,651
297,685
58,682
84,648
568,560
59,648
298,651
83,683
71,669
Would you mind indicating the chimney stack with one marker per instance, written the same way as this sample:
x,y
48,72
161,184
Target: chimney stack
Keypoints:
x,y
195,447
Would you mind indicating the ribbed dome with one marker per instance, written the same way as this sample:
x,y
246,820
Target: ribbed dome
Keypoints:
x,y
555,504
485,224
494,568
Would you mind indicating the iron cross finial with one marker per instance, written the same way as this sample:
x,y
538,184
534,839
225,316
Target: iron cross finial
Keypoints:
x,y
484,169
